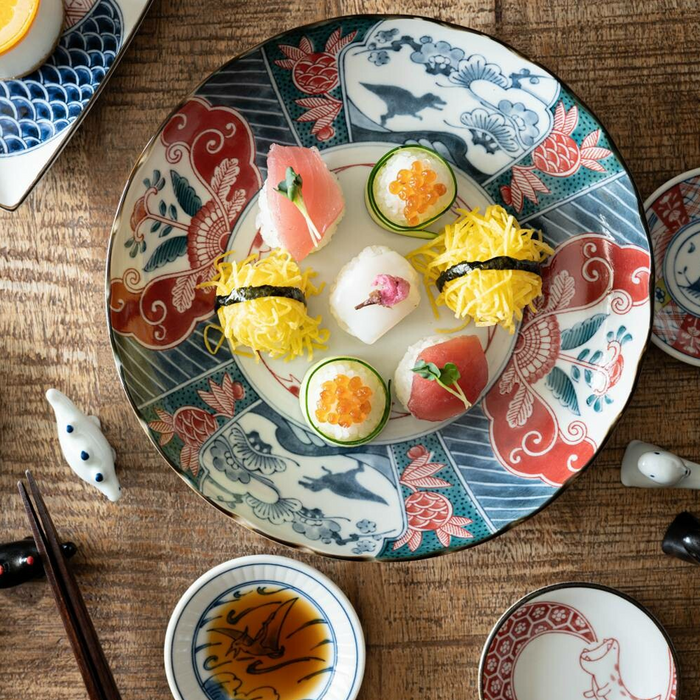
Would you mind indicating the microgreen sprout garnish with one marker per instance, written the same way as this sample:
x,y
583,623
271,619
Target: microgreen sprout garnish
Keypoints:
x,y
290,187
447,377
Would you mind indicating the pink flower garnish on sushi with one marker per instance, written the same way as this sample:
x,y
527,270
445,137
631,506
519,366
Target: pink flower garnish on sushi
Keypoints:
x,y
390,291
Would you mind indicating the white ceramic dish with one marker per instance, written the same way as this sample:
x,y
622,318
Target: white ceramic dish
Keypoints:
x,y
196,668
578,640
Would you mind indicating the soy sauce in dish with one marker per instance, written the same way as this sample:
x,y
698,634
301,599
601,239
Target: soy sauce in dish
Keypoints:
x,y
271,637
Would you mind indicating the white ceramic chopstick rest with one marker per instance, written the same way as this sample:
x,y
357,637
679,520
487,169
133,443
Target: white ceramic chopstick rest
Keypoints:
x,y
84,446
647,466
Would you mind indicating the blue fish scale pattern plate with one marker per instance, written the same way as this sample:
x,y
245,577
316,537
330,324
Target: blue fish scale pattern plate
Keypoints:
x,y
354,87
39,112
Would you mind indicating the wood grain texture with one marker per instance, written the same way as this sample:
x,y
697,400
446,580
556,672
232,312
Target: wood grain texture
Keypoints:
x,y
635,62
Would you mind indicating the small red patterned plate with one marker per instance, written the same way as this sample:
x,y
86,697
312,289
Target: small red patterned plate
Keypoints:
x,y
673,214
578,640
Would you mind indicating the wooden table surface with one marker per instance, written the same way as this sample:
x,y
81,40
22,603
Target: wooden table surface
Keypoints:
x,y
635,62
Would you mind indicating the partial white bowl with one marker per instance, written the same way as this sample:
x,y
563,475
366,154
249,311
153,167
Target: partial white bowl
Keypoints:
x,y
196,672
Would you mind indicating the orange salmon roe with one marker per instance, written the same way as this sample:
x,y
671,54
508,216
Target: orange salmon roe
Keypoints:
x,y
418,188
344,401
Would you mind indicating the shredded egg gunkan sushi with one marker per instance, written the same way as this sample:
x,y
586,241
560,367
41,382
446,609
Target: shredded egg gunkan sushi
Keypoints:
x,y
485,267
261,304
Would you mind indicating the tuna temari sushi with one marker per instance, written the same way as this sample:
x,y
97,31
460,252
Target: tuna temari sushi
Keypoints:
x,y
281,222
426,398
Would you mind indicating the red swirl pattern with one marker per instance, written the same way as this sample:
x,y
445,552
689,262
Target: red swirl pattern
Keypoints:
x,y
526,624
218,147
531,434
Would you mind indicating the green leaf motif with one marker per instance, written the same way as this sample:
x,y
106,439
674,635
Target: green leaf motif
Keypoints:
x,y
563,389
595,357
582,332
165,232
155,226
162,208
185,194
173,212
166,252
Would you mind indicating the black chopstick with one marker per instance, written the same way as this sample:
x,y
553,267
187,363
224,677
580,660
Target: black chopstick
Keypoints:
x,y
83,616
93,665
74,637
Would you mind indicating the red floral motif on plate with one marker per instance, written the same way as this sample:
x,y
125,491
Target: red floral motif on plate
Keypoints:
x,y
428,511
218,147
316,74
193,425
531,434
671,210
558,155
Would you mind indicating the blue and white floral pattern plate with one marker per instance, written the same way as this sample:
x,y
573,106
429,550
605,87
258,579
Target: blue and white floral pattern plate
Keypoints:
x,y
38,113
244,611
355,87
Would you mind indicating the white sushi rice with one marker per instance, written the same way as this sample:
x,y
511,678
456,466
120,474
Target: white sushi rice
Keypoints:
x,y
264,223
353,285
311,393
403,377
391,205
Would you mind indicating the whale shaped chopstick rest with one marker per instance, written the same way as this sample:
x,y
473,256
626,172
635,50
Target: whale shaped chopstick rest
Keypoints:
x,y
648,466
20,561
84,446
682,539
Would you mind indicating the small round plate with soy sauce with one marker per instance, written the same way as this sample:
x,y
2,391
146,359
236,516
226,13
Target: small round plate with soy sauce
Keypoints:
x,y
264,627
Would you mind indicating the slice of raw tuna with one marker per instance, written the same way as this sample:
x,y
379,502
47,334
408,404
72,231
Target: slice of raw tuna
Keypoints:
x,y
280,221
429,401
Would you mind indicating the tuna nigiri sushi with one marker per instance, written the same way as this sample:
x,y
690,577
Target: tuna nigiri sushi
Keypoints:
x,y
301,203
440,378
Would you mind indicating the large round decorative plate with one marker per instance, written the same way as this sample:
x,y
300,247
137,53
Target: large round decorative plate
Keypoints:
x,y
355,87
673,213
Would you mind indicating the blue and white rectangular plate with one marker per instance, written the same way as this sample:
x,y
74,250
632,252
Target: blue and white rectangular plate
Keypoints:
x,y
40,112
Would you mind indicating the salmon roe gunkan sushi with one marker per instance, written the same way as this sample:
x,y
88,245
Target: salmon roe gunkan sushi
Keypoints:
x,y
344,401
419,190
410,188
